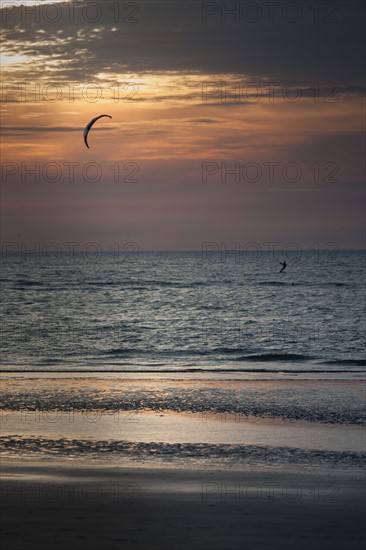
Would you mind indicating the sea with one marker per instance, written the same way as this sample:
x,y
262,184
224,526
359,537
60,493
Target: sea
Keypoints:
x,y
208,333
184,312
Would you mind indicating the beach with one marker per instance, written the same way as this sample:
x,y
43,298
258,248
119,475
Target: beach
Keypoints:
x,y
116,462
48,505
174,402
182,313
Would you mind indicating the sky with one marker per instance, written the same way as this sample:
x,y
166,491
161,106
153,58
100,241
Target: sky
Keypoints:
x,y
232,122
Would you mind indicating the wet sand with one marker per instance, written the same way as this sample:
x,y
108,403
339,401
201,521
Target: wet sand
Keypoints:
x,y
60,505
99,464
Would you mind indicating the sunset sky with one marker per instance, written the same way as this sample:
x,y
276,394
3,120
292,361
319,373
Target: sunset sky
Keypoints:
x,y
278,95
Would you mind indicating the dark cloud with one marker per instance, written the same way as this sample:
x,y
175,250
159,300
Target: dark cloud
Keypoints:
x,y
205,120
7,129
172,36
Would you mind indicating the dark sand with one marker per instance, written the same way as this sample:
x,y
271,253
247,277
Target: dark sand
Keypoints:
x,y
68,506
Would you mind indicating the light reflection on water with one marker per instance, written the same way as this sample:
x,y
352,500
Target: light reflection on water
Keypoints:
x,y
178,312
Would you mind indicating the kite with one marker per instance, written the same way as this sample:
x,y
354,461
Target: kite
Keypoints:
x,y
89,125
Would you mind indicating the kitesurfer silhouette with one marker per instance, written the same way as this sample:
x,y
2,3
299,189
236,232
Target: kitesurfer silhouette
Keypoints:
x,y
283,265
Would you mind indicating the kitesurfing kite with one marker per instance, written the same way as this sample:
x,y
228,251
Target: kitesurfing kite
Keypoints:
x,y
89,125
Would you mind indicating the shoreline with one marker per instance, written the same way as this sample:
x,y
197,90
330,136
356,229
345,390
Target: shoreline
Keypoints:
x,y
257,375
329,402
170,465
184,427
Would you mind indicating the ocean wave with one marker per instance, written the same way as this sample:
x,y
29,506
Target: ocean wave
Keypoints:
x,y
150,284
345,362
292,283
264,357
274,283
269,357
25,282
155,369
118,351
